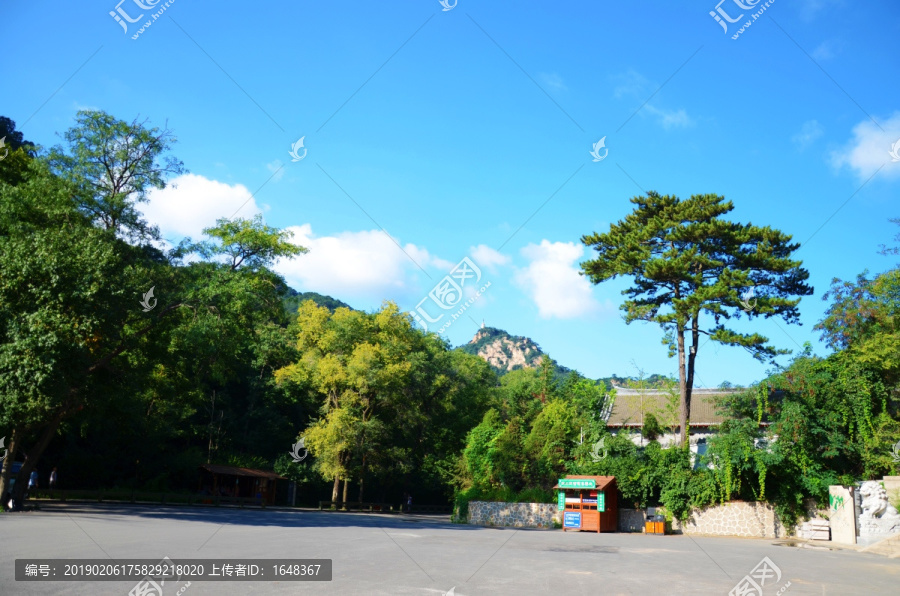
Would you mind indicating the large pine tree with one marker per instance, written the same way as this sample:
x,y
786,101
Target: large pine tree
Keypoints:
x,y
688,264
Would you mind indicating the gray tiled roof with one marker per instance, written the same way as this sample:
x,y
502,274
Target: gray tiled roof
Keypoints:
x,y
627,408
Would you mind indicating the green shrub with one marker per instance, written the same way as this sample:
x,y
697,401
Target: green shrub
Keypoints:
x,y
652,427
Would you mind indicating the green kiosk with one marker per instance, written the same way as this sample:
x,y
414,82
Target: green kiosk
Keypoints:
x,y
588,503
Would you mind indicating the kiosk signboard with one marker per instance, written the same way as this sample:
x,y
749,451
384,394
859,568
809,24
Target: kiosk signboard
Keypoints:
x,y
577,483
561,501
572,519
601,502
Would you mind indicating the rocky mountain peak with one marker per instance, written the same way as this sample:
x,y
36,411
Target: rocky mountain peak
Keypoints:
x,y
504,352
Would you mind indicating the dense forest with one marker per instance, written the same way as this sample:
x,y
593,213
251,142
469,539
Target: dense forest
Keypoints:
x,y
127,363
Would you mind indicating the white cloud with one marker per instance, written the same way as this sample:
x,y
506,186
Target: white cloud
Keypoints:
x,y
277,169
823,51
869,148
553,80
809,133
79,107
635,86
551,279
809,9
191,202
670,118
485,256
630,84
366,265
426,259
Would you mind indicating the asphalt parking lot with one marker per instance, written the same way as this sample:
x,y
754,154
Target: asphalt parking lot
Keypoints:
x,y
379,554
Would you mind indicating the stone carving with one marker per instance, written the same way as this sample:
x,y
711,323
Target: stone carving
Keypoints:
x,y
878,515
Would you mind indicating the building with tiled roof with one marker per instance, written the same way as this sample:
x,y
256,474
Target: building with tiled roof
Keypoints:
x,y
630,408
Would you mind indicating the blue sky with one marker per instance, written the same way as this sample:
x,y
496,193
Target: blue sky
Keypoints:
x,y
466,133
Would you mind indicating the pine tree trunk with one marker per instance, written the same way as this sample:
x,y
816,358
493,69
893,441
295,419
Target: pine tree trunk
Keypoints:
x,y
691,359
683,389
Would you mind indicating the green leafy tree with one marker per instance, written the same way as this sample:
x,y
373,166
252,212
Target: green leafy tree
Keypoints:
x,y
67,312
77,351
864,320
114,164
686,262
550,441
13,138
15,153
394,402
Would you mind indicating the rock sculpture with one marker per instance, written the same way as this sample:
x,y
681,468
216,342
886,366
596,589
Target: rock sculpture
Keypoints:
x,y
878,515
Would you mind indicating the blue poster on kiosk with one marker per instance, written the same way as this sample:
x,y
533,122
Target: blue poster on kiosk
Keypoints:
x,y
572,519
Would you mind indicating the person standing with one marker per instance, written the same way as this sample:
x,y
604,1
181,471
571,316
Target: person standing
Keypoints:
x,y
53,479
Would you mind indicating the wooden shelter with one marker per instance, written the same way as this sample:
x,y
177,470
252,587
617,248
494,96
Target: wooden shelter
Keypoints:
x,y
589,503
232,481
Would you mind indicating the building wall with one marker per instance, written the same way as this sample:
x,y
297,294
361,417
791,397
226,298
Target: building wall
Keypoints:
x,y
665,440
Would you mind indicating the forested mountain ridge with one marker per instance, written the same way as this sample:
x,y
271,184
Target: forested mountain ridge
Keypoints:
x,y
293,299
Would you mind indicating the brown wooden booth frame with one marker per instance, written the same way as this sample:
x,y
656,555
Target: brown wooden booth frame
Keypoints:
x,y
240,483
585,501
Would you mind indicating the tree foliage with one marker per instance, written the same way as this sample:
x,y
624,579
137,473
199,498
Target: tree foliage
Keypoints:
x,y
395,403
687,262
113,164
77,352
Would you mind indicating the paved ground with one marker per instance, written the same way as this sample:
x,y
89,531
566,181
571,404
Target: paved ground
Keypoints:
x,y
376,554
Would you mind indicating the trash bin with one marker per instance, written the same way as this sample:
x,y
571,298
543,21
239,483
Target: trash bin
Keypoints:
x,y
656,524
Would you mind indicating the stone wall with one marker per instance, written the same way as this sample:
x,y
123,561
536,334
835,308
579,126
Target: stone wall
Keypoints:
x,y
632,520
892,486
517,515
752,520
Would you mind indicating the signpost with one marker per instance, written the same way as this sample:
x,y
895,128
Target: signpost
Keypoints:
x,y
572,519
